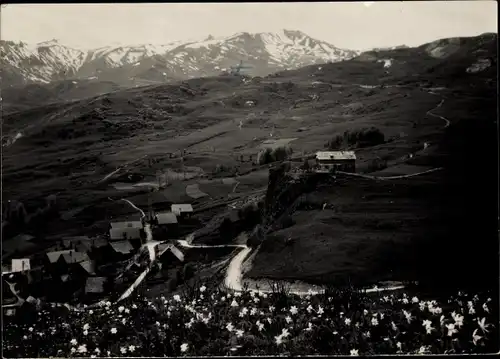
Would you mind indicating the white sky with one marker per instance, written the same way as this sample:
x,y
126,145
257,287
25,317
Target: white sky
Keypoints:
x,y
354,25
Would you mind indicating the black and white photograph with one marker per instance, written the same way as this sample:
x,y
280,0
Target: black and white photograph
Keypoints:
x,y
249,179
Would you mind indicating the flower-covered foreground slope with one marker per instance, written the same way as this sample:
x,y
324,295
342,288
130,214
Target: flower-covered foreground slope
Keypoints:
x,y
253,323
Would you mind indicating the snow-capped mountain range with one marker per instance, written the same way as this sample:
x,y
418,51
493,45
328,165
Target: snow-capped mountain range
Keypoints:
x,y
264,53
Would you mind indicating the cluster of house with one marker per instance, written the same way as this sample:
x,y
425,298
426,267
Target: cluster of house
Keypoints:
x,y
81,266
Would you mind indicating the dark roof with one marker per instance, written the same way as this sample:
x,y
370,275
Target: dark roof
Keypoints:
x,y
122,247
95,284
98,242
75,257
130,233
127,224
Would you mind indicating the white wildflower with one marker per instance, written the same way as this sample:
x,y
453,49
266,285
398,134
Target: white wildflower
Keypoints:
x,y
234,303
203,288
407,316
393,326
278,339
414,300
82,348
184,347
294,310
347,321
113,330
482,324
177,298
288,319
485,308
230,327
239,333
475,337
374,321
121,308
451,329
73,342
354,352
320,310
260,326
123,350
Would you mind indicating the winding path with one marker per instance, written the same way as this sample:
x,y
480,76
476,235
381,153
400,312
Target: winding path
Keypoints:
x,y
447,122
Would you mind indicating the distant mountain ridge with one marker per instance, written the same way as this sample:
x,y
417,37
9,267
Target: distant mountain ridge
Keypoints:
x,y
50,61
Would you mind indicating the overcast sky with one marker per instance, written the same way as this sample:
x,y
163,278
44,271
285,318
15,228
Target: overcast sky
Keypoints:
x,y
354,25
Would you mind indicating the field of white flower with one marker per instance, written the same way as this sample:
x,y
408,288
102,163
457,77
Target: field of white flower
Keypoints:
x,y
215,322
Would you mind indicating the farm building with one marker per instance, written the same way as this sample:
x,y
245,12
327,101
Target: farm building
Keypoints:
x,y
182,210
168,254
335,160
167,222
21,265
166,218
129,224
120,250
51,258
129,233
95,287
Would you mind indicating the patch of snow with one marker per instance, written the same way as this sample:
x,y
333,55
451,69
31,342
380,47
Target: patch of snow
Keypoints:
x,y
387,62
480,65
136,64
74,82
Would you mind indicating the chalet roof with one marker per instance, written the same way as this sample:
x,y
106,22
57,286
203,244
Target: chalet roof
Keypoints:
x,y
95,284
129,233
54,256
178,208
122,247
98,242
89,266
166,218
127,224
336,155
74,257
164,248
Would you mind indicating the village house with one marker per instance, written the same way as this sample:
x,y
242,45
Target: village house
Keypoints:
x,y
167,223
95,287
169,254
182,210
21,265
330,161
119,251
135,235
